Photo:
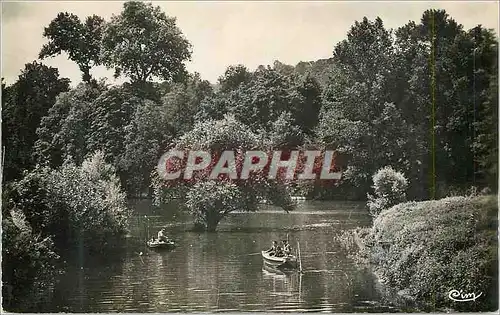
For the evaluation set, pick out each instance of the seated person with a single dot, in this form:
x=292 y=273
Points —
x=161 y=236
x=279 y=252
x=272 y=250
x=287 y=250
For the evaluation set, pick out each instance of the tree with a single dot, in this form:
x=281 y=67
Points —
x=307 y=113
x=355 y=103
x=28 y=262
x=283 y=68
x=24 y=104
x=143 y=42
x=485 y=102
x=109 y=114
x=79 y=205
x=81 y=41
x=284 y=134
x=444 y=112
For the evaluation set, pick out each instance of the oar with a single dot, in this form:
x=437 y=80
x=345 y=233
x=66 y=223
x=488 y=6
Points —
x=300 y=258
x=252 y=254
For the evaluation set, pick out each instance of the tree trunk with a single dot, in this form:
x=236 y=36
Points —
x=212 y=220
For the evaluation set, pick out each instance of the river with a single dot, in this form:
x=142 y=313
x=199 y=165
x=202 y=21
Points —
x=223 y=271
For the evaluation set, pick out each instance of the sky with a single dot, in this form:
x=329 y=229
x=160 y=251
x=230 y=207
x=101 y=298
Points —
x=226 y=33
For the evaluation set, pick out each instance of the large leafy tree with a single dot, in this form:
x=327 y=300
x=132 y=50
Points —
x=80 y=40
x=24 y=104
x=148 y=131
x=84 y=120
x=357 y=102
x=485 y=104
x=445 y=74
x=143 y=42
x=307 y=113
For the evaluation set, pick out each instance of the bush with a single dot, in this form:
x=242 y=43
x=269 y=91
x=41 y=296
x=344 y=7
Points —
x=28 y=261
x=73 y=203
x=92 y=199
x=49 y=211
x=390 y=189
x=429 y=248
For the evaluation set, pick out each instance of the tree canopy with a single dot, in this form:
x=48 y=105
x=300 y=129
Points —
x=142 y=42
x=80 y=40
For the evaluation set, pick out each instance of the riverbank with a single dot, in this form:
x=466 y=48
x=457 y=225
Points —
x=426 y=249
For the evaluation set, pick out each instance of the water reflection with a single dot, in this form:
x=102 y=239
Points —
x=224 y=270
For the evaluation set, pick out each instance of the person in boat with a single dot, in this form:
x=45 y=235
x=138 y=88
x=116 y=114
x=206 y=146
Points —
x=161 y=236
x=273 y=249
x=279 y=251
x=287 y=250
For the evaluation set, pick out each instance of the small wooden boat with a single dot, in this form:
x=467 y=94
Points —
x=285 y=262
x=155 y=244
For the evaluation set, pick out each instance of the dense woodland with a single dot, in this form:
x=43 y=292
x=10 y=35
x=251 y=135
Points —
x=422 y=98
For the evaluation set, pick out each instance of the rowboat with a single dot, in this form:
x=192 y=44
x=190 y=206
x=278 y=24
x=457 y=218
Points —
x=155 y=244
x=285 y=262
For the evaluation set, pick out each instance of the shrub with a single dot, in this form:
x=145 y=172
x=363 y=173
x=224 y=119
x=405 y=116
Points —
x=390 y=189
x=53 y=210
x=92 y=199
x=28 y=261
x=429 y=248
x=73 y=203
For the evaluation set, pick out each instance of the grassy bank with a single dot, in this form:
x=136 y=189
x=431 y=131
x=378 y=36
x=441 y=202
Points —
x=426 y=249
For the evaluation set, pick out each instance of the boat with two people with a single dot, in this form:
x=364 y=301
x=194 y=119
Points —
x=280 y=257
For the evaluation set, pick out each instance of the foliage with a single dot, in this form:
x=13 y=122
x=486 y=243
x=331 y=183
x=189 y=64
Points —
x=183 y=101
x=208 y=202
x=148 y=131
x=63 y=132
x=376 y=103
x=429 y=248
x=50 y=211
x=94 y=201
x=28 y=262
x=258 y=99
x=390 y=189
x=307 y=114
x=24 y=103
x=143 y=42
x=284 y=133
x=319 y=70
x=233 y=77
x=80 y=40
x=75 y=204
x=91 y=118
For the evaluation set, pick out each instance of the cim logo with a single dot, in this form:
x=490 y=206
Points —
x=459 y=296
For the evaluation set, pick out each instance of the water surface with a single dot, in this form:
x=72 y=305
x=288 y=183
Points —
x=223 y=271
